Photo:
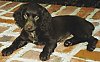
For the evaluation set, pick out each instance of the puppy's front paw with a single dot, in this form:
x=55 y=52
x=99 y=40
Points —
x=7 y=51
x=91 y=48
x=44 y=56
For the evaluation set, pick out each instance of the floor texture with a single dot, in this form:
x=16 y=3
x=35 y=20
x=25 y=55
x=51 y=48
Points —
x=30 y=53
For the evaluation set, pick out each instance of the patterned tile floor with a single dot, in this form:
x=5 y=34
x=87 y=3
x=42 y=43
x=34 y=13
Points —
x=29 y=53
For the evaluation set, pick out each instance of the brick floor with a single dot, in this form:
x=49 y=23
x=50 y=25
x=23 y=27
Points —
x=30 y=53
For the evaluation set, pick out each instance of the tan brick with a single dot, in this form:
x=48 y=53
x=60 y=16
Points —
x=31 y=55
x=17 y=30
x=63 y=49
x=97 y=15
x=7 y=21
x=77 y=60
x=68 y=10
x=84 y=12
x=98 y=44
x=95 y=23
x=7 y=38
x=35 y=55
x=39 y=46
x=97 y=33
x=88 y=55
x=3 y=58
x=2 y=29
x=9 y=6
x=54 y=8
x=8 y=15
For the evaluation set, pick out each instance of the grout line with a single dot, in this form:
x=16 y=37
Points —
x=98 y=37
x=4 y=17
x=73 y=52
x=5 y=10
x=48 y=6
x=84 y=59
x=6 y=44
x=9 y=31
x=97 y=29
x=21 y=52
x=75 y=12
x=54 y=13
x=5 y=4
x=97 y=49
x=92 y=13
x=23 y=60
x=10 y=9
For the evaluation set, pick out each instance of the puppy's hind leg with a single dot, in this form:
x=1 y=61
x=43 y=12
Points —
x=72 y=41
x=91 y=43
x=18 y=43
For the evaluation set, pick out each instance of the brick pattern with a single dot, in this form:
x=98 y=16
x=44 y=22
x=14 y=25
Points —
x=30 y=53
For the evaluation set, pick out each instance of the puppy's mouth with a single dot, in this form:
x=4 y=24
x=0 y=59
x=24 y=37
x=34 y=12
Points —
x=30 y=30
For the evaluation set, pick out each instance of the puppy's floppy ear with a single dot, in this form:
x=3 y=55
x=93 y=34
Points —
x=18 y=15
x=19 y=10
x=46 y=19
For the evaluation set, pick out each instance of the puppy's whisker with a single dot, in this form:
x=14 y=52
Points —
x=36 y=18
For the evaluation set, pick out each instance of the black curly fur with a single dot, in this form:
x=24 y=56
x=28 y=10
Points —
x=47 y=30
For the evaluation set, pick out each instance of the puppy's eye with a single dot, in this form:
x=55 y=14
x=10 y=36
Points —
x=25 y=16
x=36 y=18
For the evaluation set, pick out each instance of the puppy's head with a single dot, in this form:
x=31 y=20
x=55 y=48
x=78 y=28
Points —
x=26 y=17
x=31 y=15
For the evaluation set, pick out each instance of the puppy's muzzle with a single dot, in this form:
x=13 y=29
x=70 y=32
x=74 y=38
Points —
x=29 y=26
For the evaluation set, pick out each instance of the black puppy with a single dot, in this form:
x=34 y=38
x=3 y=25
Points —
x=38 y=25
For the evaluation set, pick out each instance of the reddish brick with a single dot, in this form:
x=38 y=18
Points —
x=84 y=12
x=2 y=29
x=67 y=10
x=97 y=15
x=7 y=21
x=2 y=2
x=88 y=55
x=7 y=38
x=54 y=8
x=8 y=15
x=9 y=6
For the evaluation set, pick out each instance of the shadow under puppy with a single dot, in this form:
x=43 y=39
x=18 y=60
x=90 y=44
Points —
x=38 y=25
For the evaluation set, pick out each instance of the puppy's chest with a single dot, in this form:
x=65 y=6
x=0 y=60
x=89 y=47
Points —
x=32 y=37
